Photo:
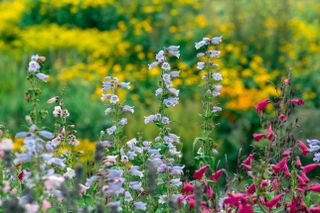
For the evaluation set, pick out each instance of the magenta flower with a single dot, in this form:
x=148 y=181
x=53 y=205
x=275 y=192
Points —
x=276 y=168
x=258 y=137
x=304 y=148
x=282 y=117
x=297 y=102
x=274 y=201
x=262 y=105
x=234 y=199
x=198 y=174
x=314 y=188
x=248 y=160
x=310 y=167
x=216 y=176
x=245 y=208
x=271 y=135
x=251 y=189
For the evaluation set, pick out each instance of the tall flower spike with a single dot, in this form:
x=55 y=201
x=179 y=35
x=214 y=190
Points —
x=167 y=158
x=111 y=176
x=212 y=89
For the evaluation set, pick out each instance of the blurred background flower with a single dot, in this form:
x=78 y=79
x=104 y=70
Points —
x=84 y=40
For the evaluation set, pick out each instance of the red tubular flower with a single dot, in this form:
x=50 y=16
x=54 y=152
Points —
x=216 y=176
x=205 y=210
x=310 y=167
x=264 y=184
x=251 y=189
x=20 y=176
x=247 y=167
x=209 y=192
x=258 y=137
x=271 y=136
x=248 y=160
x=260 y=106
x=298 y=162
x=286 y=170
x=233 y=199
x=198 y=174
x=245 y=208
x=297 y=102
x=314 y=209
x=314 y=188
x=282 y=117
x=191 y=202
x=274 y=201
x=297 y=205
x=275 y=184
x=187 y=188
x=302 y=182
x=303 y=148
x=276 y=168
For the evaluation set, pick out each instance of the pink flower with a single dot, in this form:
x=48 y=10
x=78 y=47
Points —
x=314 y=209
x=251 y=189
x=198 y=174
x=247 y=167
x=233 y=199
x=282 y=117
x=298 y=162
x=20 y=176
x=245 y=208
x=297 y=102
x=286 y=170
x=303 y=148
x=275 y=184
x=271 y=136
x=276 y=168
x=302 y=182
x=274 y=201
x=260 y=106
x=314 y=188
x=297 y=205
x=46 y=205
x=287 y=81
x=258 y=137
x=187 y=188
x=310 y=167
x=216 y=176
x=249 y=159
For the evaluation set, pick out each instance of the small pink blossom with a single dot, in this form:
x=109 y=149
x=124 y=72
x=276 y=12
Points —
x=258 y=137
x=310 y=167
x=198 y=174
x=216 y=176
x=274 y=201
x=262 y=105
x=297 y=102
x=282 y=117
x=46 y=205
x=276 y=168
x=303 y=148
x=314 y=188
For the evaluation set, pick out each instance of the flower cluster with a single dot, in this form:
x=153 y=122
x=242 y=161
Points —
x=211 y=89
x=34 y=67
x=165 y=154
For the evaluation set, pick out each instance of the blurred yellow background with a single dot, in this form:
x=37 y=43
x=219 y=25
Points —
x=84 y=40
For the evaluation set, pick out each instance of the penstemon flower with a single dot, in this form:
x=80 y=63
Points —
x=211 y=89
x=45 y=174
x=166 y=158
